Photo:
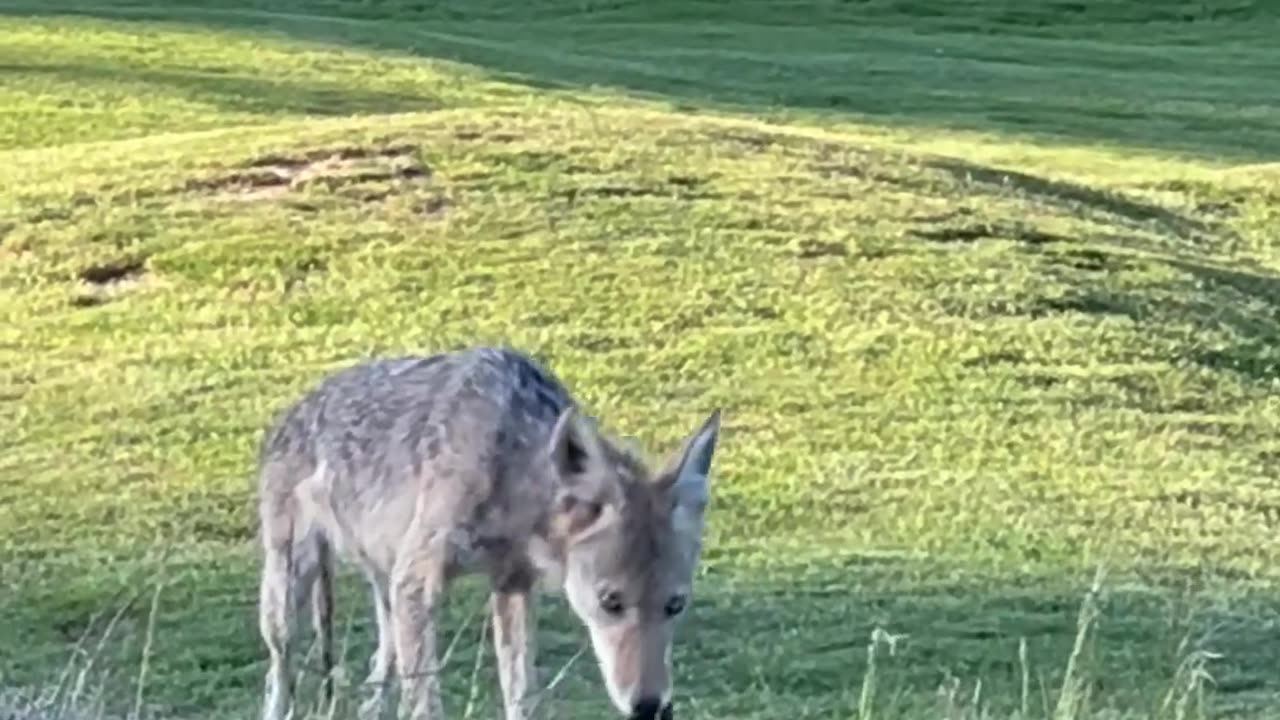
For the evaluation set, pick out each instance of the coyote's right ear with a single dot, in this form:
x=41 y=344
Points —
x=574 y=446
x=574 y=450
x=687 y=477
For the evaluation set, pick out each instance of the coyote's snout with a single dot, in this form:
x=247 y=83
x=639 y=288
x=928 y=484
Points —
x=423 y=469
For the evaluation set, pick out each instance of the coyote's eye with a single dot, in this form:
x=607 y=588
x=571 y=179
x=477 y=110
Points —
x=674 y=606
x=611 y=602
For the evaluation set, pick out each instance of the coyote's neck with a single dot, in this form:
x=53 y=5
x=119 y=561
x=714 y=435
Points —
x=548 y=558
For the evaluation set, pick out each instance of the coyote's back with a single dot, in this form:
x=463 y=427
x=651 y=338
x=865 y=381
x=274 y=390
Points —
x=448 y=428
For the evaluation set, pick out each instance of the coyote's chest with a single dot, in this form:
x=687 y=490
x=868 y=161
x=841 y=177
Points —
x=508 y=562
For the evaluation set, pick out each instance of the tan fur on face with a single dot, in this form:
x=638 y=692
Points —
x=641 y=654
x=644 y=554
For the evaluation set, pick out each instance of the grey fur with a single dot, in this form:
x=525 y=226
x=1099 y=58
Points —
x=420 y=469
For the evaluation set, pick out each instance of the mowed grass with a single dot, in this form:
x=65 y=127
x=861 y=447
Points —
x=989 y=297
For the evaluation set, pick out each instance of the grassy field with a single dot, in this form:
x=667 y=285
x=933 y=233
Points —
x=989 y=293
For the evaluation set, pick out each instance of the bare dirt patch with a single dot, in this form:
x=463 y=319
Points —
x=983 y=231
x=112 y=271
x=814 y=249
x=1098 y=304
x=435 y=206
x=1091 y=260
x=676 y=187
x=330 y=168
x=473 y=134
x=745 y=139
x=102 y=282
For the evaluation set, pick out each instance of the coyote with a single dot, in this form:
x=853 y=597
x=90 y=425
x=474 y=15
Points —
x=422 y=469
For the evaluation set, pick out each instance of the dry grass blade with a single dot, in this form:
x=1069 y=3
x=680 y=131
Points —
x=556 y=679
x=72 y=699
x=145 y=663
x=1024 y=707
x=1073 y=696
x=473 y=688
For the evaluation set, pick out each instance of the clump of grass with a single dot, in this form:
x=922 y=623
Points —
x=1186 y=697
x=1073 y=700
x=866 y=698
x=79 y=692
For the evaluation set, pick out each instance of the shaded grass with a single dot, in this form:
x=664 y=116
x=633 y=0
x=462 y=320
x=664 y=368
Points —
x=73 y=81
x=958 y=371
x=1197 y=78
x=1022 y=647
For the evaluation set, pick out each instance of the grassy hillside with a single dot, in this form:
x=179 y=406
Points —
x=990 y=296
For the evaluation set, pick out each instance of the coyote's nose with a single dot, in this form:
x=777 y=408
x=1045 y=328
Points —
x=651 y=709
x=646 y=709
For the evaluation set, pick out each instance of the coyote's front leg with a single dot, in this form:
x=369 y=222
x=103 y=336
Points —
x=417 y=587
x=382 y=662
x=514 y=626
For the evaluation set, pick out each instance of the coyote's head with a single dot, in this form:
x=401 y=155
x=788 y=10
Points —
x=630 y=539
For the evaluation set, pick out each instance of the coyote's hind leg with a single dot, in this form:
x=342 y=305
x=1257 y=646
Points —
x=291 y=565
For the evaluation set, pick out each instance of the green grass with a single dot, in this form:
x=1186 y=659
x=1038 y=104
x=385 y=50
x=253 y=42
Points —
x=990 y=296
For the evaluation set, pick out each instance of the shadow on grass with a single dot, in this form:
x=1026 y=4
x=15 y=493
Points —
x=234 y=92
x=926 y=67
x=1255 y=318
x=1077 y=197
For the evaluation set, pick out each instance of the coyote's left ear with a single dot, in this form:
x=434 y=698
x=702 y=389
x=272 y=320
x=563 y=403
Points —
x=689 y=474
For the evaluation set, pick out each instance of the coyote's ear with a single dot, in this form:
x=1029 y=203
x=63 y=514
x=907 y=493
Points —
x=574 y=446
x=578 y=517
x=688 y=476
x=574 y=449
